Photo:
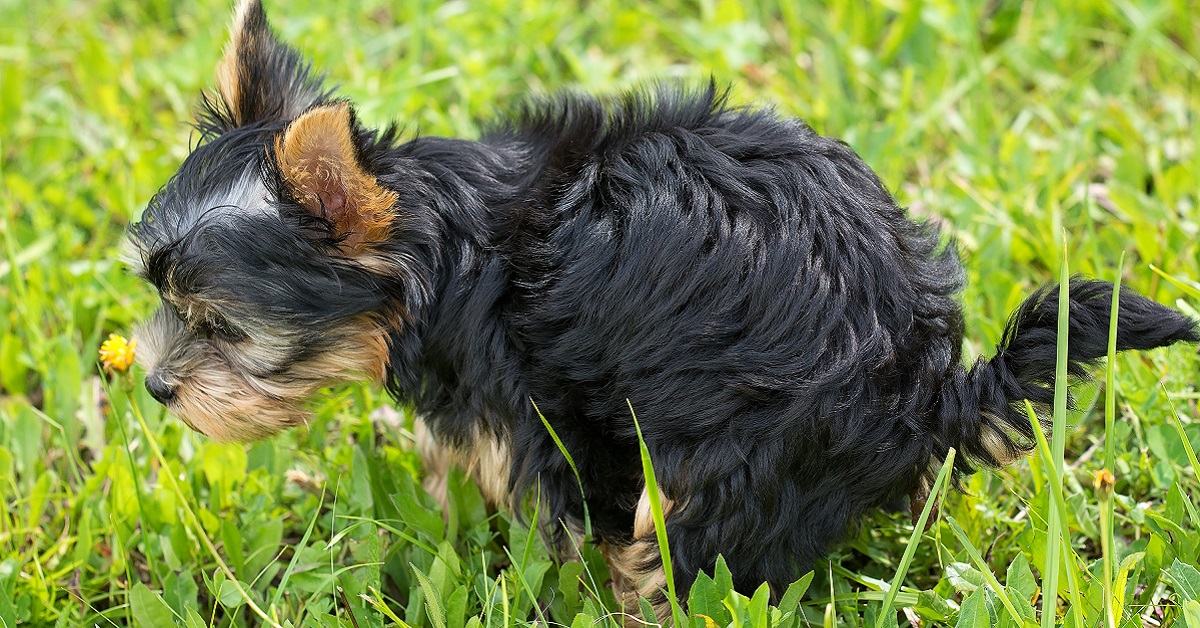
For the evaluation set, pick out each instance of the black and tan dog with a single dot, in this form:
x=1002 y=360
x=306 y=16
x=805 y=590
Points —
x=789 y=339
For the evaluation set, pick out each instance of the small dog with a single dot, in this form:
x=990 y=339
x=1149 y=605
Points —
x=789 y=339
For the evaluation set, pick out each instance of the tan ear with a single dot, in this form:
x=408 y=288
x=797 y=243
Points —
x=317 y=159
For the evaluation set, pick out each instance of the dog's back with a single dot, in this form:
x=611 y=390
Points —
x=750 y=288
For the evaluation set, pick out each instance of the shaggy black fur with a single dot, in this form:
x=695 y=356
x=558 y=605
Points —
x=789 y=338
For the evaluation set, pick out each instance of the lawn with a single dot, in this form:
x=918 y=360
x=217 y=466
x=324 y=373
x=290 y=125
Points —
x=1039 y=133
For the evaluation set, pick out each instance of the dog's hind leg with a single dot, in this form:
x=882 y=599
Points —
x=769 y=516
x=637 y=568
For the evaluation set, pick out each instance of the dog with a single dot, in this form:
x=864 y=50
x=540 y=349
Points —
x=789 y=338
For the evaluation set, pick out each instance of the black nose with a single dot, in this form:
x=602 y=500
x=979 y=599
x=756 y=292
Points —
x=159 y=389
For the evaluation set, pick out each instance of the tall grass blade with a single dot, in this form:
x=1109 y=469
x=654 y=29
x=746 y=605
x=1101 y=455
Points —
x=943 y=477
x=1110 y=369
x=1054 y=536
x=563 y=449
x=587 y=518
x=1110 y=449
x=1183 y=437
x=1058 y=517
x=660 y=526
x=1190 y=287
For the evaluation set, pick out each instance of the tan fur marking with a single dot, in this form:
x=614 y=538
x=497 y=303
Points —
x=226 y=404
x=488 y=464
x=486 y=460
x=437 y=460
x=228 y=84
x=995 y=443
x=631 y=579
x=360 y=355
x=643 y=518
x=225 y=408
x=636 y=568
x=316 y=154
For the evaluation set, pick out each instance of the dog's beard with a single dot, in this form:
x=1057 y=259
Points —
x=215 y=395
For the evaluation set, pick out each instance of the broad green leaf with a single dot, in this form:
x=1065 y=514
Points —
x=1191 y=613
x=149 y=609
x=456 y=608
x=583 y=620
x=974 y=612
x=722 y=577
x=229 y=596
x=1019 y=578
x=758 y=605
x=932 y=606
x=964 y=577
x=194 y=620
x=8 y=580
x=569 y=575
x=706 y=598
x=1186 y=579
x=790 y=602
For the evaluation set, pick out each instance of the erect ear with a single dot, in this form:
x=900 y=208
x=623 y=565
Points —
x=261 y=78
x=319 y=164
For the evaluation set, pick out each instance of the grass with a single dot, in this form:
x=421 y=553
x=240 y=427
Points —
x=1012 y=122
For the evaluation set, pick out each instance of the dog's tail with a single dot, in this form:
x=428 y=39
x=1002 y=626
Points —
x=982 y=411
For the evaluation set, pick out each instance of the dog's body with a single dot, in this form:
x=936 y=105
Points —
x=789 y=339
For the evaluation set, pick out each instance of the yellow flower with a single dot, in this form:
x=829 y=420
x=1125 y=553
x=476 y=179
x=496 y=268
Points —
x=116 y=353
x=1103 y=482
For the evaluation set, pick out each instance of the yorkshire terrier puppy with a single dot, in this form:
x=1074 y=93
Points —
x=789 y=339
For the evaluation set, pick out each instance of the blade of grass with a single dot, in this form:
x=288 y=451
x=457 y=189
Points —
x=1110 y=396
x=291 y=568
x=982 y=566
x=1183 y=438
x=1191 y=454
x=1110 y=448
x=570 y=461
x=830 y=617
x=934 y=493
x=137 y=488
x=197 y=527
x=520 y=567
x=1058 y=508
x=1189 y=287
x=1054 y=536
x=587 y=518
x=656 y=511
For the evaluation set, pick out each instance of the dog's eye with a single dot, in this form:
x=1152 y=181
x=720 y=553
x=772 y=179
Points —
x=217 y=326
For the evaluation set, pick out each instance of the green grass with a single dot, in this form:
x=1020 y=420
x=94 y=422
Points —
x=1013 y=122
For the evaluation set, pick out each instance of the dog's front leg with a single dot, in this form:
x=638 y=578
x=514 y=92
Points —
x=485 y=459
x=437 y=460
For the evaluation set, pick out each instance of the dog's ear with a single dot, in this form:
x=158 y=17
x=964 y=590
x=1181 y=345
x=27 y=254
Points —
x=318 y=161
x=261 y=78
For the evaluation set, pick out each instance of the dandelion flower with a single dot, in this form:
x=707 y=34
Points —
x=116 y=353
x=1104 y=481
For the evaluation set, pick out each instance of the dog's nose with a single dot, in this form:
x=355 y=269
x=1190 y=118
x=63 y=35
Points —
x=159 y=389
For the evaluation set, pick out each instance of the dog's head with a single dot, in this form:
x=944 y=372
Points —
x=273 y=249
